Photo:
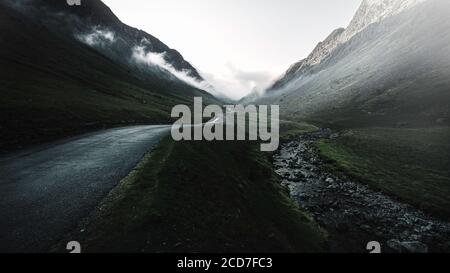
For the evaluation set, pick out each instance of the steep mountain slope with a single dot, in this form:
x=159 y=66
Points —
x=394 y=71
x=370 y=11
x=53 y=85
x=94 y=24
x=322 y=50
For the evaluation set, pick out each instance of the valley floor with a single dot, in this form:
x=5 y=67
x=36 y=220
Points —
x=410 y=164
x=200 y=197
x=355 y=214
x=229 y=197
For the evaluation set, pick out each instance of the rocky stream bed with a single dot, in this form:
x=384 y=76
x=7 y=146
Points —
x=352 y=213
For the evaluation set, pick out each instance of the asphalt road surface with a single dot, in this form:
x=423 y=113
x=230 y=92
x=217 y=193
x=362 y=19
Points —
x=46 y=191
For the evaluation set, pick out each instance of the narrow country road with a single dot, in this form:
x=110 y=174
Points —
x=46 y=191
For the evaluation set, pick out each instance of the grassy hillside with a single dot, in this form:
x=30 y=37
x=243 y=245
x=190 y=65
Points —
x=410 y=164
x=360 y=83
x=200 y=197
x=52 y=86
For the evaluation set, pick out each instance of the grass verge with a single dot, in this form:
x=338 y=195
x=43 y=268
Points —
x=201 y=197
x=291 y=129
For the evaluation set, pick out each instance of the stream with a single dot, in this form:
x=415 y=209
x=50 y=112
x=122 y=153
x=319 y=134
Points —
x=350 y=212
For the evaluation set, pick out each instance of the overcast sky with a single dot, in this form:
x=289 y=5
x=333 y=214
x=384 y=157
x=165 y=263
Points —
x=238 y=45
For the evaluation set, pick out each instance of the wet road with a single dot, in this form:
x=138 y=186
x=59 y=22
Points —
x=46 y=191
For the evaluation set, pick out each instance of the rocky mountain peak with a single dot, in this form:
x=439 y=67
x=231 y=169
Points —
x=372 y=11
x=369 y=12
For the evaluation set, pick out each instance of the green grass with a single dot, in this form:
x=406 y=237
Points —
x=290 y=129
x=201 y=197
x=410 y=164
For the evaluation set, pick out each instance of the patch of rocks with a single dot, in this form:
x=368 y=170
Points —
x=352 y=213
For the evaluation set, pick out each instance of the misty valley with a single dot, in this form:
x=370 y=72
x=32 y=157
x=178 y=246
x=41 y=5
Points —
x=272 y=138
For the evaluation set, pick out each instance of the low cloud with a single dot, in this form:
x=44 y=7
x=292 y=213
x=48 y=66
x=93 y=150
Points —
x=236 y=83
x=98 y=37
x=140 y=55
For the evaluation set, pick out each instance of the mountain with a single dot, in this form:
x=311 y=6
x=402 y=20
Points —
x=322 y=50
x=390 y=66
x=370 y=11
x=67 y=69
x=96 y=25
